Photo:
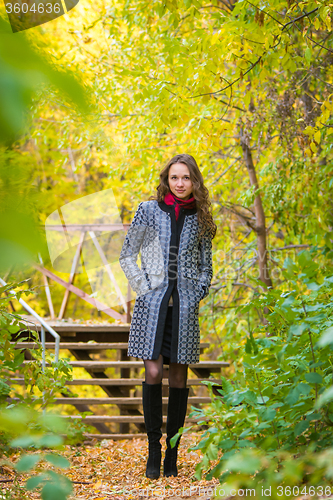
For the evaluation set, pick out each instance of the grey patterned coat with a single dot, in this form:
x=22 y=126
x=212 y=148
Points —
x=173 y=262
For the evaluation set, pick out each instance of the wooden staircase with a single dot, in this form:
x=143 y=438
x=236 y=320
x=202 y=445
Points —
x=84 y=342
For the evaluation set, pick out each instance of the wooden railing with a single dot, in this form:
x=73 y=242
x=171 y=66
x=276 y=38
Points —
x=91 y=230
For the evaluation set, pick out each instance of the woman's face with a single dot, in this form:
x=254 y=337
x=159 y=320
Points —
x=179 y=181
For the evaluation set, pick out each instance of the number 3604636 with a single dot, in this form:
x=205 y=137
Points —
x=39 y=8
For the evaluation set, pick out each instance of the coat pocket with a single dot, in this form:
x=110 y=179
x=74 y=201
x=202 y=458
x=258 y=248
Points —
x=192 y=276
x=155 y=279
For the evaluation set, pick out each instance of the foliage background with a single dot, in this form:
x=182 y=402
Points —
x=245 y=87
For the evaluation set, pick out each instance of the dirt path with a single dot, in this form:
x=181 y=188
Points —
x=116 y=470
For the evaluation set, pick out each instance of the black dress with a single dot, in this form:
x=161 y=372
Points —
x=167 y=337
x=166 y=340
x=167 y=333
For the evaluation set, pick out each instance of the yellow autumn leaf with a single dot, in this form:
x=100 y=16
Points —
x=313 y=147
x=215 y=37
x=317 y=136
x=308 y=130
x=98 y=485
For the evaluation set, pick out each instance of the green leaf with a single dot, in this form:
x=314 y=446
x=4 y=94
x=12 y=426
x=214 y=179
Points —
x=236 y=398
x=57 y=460
x=301 y=427
x=313 y=416
x=13 y=328
x=308 y=54
x=244 y=462
x=35 y=481
x=262 y=399
x=326 y=338
x=313 y=286
x=325 y=397
x=227 y=386
x=198 y=471
x=23 y=442
x=27 y=462
x=304 y=389
x=298 y=329
x=269 y=414
x=250 y=397
x=288 y=302
x=212 y=451
x=226 y=444
x=173 y=440
x=316 y=319
x=248 y=346
x=4 y=388
x=313 y=378
x=263 y=425
x=54 y=423
x=292 y=396
x=57 y=490
x=50 y=441
x=244 y=443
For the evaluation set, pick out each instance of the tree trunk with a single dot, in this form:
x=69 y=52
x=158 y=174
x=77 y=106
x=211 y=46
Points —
x=259 y=213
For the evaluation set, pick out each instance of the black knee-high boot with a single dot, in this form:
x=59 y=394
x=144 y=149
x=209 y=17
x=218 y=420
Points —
x=177 y=406
x=152 y=410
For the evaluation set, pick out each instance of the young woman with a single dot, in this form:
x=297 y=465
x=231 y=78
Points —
x=174 y=231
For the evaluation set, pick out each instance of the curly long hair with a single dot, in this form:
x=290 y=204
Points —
x=199 y=191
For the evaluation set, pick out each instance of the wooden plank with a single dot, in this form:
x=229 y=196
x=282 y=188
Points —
x=125 y=401
x=72 y=275
x=111 y=391
x=115 y=401
x=108 y=269
x=129 y=293
x=80 y=293
x=130 y=419
x=80 y=345
x=137 y=364
x=74 y=345
x=125 y=373
x=204 y=345
x=87 y=227
x=61 y=327
x=47 y=291
x=115 y=437
x=134 y=381
x=119 y=381
x=100 y=365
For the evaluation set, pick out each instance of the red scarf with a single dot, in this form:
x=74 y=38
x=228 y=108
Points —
x=171 y=199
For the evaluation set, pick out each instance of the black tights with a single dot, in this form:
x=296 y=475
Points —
x=154 y=372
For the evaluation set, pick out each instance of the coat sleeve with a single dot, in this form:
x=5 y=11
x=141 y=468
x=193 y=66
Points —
x=205 y=263
x=130 y=250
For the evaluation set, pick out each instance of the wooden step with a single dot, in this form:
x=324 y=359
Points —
x=131 y=419
x=73 y=345
x=98 y=346
x=63 y=327
x=115 y=401
x=119 y=381
x=115 y=437
x=100 y=365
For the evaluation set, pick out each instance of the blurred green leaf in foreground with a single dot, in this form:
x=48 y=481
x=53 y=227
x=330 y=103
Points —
x=26 y=71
